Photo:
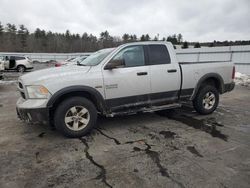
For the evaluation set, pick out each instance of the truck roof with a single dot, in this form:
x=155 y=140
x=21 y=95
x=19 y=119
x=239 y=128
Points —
x=146 y=43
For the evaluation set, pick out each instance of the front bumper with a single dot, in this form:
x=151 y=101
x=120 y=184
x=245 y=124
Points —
x=229 y=87
x=39 y=115
x=33 y=110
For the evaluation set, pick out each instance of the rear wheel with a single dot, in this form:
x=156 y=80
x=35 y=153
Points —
x=20 y=68
x=75 y=117
x=207 y=100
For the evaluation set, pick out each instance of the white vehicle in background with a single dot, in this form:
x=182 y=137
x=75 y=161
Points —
x=71 y=61
x=18 y=63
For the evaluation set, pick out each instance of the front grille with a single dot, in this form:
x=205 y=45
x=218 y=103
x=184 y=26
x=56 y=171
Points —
x=20 y=85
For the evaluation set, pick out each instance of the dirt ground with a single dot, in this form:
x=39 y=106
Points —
x=182 y=149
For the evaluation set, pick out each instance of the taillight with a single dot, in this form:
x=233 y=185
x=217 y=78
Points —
x=233 y=73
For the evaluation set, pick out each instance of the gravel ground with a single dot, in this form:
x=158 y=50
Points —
x=182 y=149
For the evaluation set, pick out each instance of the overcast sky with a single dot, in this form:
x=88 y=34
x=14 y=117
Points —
x=197 y=20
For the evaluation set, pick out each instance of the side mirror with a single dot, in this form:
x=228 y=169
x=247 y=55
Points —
x=115 y=64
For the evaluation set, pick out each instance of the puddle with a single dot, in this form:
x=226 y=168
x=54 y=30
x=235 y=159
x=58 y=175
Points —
x=168 y=134
x=194 y=151
x=208 y=125
x=1 y=105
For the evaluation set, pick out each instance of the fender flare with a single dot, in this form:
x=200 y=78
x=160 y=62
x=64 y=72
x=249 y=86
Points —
x=215 y=76
x=78 y=88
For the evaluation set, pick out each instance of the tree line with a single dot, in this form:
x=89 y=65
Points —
x=19 y=39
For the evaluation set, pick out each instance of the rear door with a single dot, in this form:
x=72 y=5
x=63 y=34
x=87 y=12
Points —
x=128 y=86
x=165 y=75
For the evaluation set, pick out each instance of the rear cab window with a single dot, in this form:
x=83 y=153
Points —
x=158 y=54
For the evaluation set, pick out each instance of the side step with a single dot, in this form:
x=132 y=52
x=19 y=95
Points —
x=151 y=109
x=164 y=107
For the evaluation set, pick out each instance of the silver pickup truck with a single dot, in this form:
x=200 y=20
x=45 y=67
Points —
x=134 y=77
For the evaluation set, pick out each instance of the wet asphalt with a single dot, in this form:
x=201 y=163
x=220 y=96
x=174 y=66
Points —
x=178 y=149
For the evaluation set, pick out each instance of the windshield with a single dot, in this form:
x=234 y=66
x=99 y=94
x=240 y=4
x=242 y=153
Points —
x=96 y=57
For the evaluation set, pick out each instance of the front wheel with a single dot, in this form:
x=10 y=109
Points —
x=207 y=100
x=75 y=117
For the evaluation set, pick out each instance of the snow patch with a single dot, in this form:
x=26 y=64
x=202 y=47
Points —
x=242 y=79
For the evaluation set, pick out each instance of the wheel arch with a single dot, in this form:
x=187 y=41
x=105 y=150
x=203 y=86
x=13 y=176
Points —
x=83 y=91
x=212 y=79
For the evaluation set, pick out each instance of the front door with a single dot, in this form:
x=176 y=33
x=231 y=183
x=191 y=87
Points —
x=128 y=86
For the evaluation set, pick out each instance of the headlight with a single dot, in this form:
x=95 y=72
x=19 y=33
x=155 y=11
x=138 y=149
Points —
x=39 y=92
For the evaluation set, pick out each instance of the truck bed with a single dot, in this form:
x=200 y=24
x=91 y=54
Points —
x=192 y=72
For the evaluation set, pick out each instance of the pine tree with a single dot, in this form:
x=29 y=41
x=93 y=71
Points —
x=197 y=45
x=185 y=45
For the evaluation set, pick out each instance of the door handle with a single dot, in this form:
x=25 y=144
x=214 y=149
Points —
x=172 y=70
x=141 y=73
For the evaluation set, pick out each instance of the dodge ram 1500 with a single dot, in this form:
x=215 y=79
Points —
x=134 y=77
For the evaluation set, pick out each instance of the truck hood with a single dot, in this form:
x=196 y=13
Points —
x=40 y=76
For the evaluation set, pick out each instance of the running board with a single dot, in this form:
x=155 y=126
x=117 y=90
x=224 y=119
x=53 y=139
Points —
x=163 y=107
x=150 y=109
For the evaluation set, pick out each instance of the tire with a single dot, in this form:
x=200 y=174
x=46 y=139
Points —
x=206 y=100
x=75 y=117
x=20 y=68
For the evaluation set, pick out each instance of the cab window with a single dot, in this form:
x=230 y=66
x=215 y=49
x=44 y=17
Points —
x=158 y=54
x=132 y=56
